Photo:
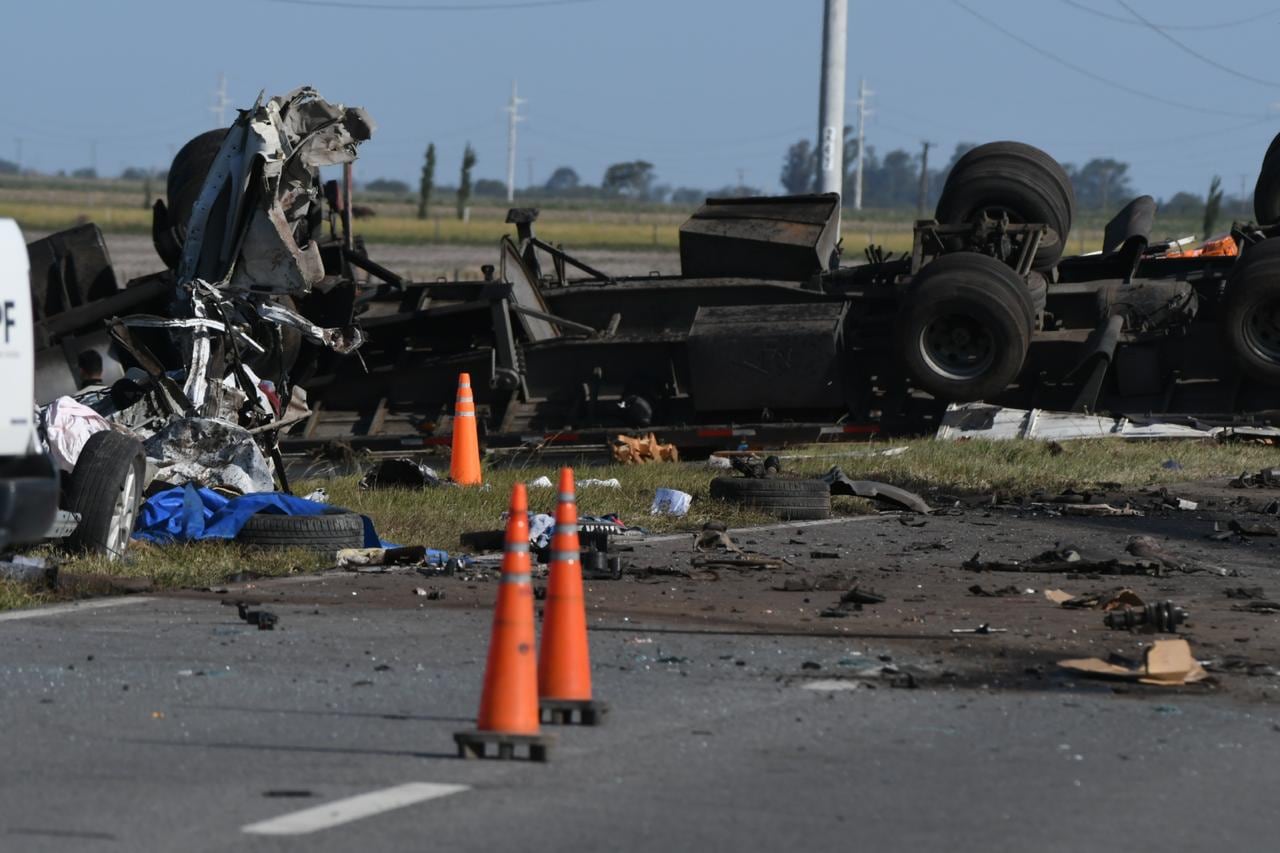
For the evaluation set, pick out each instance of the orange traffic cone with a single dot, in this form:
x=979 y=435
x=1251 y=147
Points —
x=564 y=661
x=464 y=463
x=509 y=704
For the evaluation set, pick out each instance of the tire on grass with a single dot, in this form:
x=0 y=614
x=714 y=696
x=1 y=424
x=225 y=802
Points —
x=1251 y=313
x=1015 y=179
x=965 y=327
x=322 y=533
x=790 y=500
x=106 y=490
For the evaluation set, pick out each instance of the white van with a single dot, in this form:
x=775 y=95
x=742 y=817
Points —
x=95 y=506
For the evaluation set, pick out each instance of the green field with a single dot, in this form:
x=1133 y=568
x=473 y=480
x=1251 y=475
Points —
x=117 y=207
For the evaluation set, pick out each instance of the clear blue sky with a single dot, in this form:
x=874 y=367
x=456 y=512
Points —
x=701 y=88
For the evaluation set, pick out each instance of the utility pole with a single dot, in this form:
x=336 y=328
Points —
x=220 y=102
x=863 y=112
x=831 y=98
x=923 y=198
x=513 y=117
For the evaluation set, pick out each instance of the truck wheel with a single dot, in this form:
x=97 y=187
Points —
x=106 y=490
x=964 y=328
x=325 y=533
x=1266 y=192
x=790 y=500
x=187 y=173
x=1016 y=179
x=1251 y=314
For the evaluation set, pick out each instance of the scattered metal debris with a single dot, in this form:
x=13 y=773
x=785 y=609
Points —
x=882 y=492
x=1161 y=616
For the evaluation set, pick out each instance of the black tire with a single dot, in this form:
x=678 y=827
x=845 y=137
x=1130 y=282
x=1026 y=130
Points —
x=964 y=327
x=1013 y=178
x=187 y=173
x=106 y=491
x=1251 y=314
x=1266 y=192
x=326 y=533
x=790 y=500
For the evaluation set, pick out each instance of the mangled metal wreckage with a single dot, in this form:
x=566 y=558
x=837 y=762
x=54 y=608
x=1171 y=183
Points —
x=197 y=359
x=763 y=337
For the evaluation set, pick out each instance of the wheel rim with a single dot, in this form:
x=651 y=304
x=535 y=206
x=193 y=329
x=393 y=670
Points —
x=1262 y=330
x=957 y=347
x=122 y=515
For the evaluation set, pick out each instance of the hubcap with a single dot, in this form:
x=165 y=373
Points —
x=1262 y=330
x=123 y=515
x=957 y=347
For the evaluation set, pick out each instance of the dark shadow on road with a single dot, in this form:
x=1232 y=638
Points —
x=275 y=747
x=373 y=715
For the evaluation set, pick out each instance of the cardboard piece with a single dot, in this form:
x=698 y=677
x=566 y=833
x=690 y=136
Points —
x=632 y=451
x=1168 y=663
x=1058 y=596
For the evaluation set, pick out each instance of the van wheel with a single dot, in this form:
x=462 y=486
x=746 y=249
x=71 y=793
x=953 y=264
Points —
x=106 y=491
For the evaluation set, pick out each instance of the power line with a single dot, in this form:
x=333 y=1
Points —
x=1158 y=30
x=433 y=7
x=1121 y=19
x=1115 y=84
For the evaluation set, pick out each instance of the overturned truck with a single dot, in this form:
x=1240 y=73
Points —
x=765 y=336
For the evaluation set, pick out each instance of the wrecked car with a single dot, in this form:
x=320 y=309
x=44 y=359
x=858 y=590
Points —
x=193 y=367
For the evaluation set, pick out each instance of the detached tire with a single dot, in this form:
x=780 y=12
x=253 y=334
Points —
x=790 y=500
x=1251 y=313
x=1016 y=179
x=964 y=327
x=329 y=532
x=187 y=172
x=106 y=491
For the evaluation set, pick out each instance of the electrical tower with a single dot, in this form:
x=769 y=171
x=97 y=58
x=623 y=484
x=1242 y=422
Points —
x=220 y=102
x=863 y=94
x=513 y=118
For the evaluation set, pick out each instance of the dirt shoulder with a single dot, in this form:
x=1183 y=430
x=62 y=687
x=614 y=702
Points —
x=918 y=565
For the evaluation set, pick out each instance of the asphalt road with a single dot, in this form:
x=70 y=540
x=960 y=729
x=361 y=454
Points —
x=167 y=724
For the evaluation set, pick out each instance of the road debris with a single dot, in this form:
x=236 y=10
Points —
x=402 y=473
x=634 y=451
x=984 y=628
x=840 y=484
x=1267 y=478
x=1161 y=616
x=1167 y=663
x=264 y=619
x=1106 y=601
x=670 y=502
x=1067 y=558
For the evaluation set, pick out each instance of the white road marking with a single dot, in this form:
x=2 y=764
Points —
x=73 y=607
x=360 y=806
x=831 y=684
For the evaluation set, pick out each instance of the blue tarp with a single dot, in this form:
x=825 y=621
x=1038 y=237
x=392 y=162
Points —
x=187 y=514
